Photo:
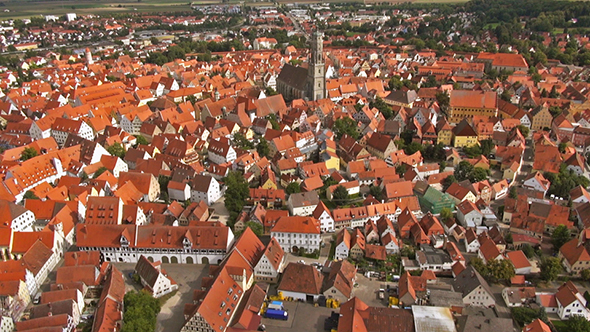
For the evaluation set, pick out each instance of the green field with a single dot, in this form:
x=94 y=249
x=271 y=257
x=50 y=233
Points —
x=27 y=9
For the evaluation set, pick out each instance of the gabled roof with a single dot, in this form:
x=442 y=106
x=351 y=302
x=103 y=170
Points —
x=301 y=278
x=468 y=280
x=297 y=224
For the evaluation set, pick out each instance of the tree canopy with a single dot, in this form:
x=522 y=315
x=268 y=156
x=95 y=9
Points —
x=293 y=188
x=340 y=194
x=560 y=236
x=550 y=268
x=345 y=126
x=262 y=148
x=117 y=150
x=141 y=311
x=28 y=153
x=236 y=193
x=385 y=109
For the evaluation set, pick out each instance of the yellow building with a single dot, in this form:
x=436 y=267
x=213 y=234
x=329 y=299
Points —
x=444 y=132
x=466 y=104
x=464 y=135
x=331 y=159
x=540 y=118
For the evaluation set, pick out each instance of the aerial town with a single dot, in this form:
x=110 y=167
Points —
x=268 y=166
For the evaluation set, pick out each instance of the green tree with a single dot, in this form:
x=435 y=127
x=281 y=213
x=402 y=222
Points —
x=99 y=171
x=525 y=315
x=512 y=192
x=30 y=195
x=560 y=236
x=395 y=83
x=413 y=147
x=505 y=95
x=236 y=193
x=578 y=324
x=376 y=192
x=500 y=269
x=345 y=126
x=242 y=142
x=486 y=145
x=444 y=100
x=141 y=311
x=117 y=150
x=553 y=93
x=272 y=118
x=523 y=130
x=446 y=214
x=478 y=174
x=473 y=151
x=463 y=170
x=528 y=250
x=400 y=169
x=257 y=228
x=555 y=110
x=385 y=109
x=263 y=148
x=448 y=181
x=550 y=268
x=585 y=274
x=293 y=188
x=340 y=194
x=479 y=266
x=140 y=140
x=28 y=153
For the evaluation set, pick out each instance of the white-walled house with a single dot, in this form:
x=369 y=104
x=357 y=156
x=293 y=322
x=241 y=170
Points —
x=271 y=263
x=570 y=302
x=16 y=216
x=303 y=204
x=474 y=289
x=205 y=188
x=221 y=152
x=537 y=182
x=179 y=191
x=471 y=241
x=154 y=278
x=63 y=127
x=469 y=215
x=40 y=260
x=294 y=233
x=342 y=244
x=322 y=213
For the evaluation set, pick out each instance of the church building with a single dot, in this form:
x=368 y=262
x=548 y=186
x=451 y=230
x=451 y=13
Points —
x=298 y=82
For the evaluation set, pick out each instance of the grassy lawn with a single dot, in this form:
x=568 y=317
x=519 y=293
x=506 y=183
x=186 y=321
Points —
x=329 y=204
x=560 y=326
x=332 y=250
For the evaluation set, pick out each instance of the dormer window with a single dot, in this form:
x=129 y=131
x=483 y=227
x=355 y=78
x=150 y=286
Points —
x=186 y=243
x=124 y=241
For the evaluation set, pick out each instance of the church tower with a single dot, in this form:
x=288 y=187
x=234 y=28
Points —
x=316 y=72
x=88 y=54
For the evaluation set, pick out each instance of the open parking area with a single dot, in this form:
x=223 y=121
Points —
x=188 y=277
x=302 y=317
x=368 y=290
